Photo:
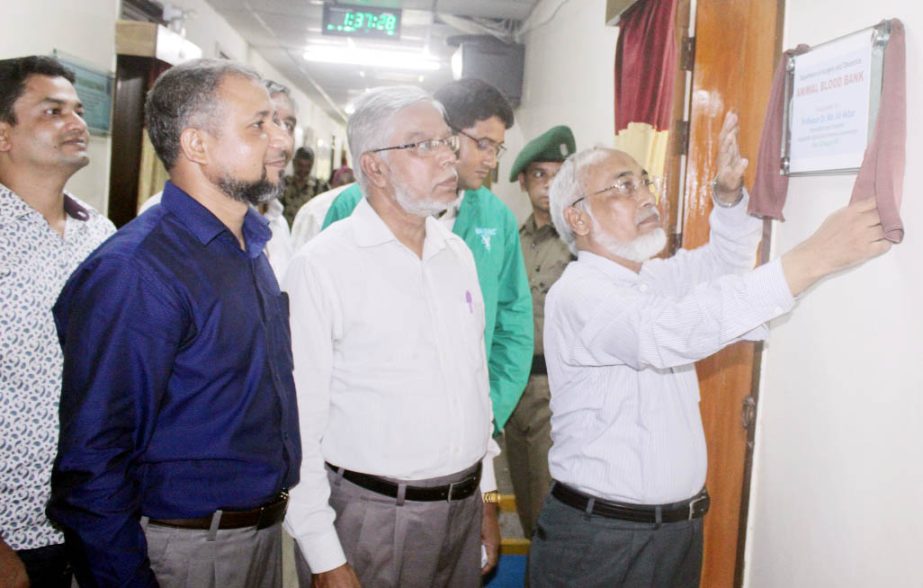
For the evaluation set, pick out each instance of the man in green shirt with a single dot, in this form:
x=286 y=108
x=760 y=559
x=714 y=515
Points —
x=528 y=432
x=480 y=114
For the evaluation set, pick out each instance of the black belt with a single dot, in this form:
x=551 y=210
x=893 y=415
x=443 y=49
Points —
x=454 y=491
x=538 y=366
x=694 y=508
x=260 y=517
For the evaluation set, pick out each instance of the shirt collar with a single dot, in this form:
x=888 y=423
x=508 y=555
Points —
x=12 y=206
x=74 y=209
x=371 y=231
x=274 y=209
x=206 y=227
x=545 y=231
x=614 y=270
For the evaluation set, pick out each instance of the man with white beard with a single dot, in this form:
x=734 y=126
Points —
x=391 y=370
x=622 y=333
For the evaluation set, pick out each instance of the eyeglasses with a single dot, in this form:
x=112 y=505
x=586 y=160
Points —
x=628 y=187
x=427 y=147
x=487 y=145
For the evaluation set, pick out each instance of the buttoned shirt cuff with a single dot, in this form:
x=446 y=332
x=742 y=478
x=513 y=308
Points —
x=488 y=476
x=322 y=551
x=735 y=220
x=776 y=297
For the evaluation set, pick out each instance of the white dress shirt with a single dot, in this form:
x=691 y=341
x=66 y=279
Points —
x=310 y=217
x=390 y=365
x=279 y=248
x=620 y=348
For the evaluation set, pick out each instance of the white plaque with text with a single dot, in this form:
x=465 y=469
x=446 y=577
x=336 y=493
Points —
x=834 y=91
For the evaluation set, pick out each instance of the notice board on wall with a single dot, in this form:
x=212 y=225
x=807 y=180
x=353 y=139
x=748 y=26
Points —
x=832 y=97
x=95 y=90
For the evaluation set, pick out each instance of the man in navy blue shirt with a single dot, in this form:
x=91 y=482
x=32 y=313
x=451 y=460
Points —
x=179 y=430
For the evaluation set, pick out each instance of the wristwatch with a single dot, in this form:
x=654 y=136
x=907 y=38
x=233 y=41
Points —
x=492 y=497
x=721 y=203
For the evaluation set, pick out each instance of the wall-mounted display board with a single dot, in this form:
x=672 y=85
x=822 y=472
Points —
x=94 y=87
x=832 y=94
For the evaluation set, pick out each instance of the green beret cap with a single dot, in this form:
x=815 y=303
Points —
x=555 y=144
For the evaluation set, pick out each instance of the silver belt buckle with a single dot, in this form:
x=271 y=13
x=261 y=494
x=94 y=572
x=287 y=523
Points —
x=692 y=504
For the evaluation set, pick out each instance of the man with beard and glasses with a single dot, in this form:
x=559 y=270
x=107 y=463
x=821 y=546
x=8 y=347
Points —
x=622 y=333
x=179 y=429
x=391 y=370
x=279 y=249
x=481 y=115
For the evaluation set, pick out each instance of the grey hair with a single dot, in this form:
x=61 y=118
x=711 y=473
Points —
x=276 y=88
x=568 y=186
x=371 y=124
x=186 y=96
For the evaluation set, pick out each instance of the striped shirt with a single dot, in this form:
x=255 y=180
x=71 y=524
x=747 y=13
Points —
x=621 y=347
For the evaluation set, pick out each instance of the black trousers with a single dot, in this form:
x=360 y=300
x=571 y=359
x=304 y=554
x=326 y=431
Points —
x=48 y=567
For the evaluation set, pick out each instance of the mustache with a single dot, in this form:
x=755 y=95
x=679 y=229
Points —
x=645 y=214
x=76 y=135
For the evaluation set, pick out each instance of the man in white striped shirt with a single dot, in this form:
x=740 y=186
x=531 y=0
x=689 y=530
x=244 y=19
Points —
x=622 y=333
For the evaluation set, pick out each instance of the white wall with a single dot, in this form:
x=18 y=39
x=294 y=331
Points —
x=207 y=29
x=82 y=30
x=85 y=31
x=839 y=466
x=568 y=81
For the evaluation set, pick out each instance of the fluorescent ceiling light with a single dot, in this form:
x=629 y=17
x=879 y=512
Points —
x=404 y=60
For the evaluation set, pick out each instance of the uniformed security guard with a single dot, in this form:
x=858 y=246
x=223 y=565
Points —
x=528 y=432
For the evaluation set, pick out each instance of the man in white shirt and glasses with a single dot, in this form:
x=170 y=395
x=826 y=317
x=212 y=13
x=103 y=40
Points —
x=622 y=333
x=390 y=368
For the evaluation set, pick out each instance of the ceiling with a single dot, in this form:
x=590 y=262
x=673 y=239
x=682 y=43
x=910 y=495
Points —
x=280 y=30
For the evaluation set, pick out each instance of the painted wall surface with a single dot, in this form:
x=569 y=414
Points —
x=839 y=454
x=207 y=29
x=83 y=31
x=570 y=56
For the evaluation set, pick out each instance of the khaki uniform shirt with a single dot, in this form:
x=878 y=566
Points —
x=294 y=196
x=546 y=256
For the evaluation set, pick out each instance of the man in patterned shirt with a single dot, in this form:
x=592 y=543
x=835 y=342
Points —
x=44 y=234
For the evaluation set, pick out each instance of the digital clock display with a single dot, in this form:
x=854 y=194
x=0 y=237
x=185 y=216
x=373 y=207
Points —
x=361 y=21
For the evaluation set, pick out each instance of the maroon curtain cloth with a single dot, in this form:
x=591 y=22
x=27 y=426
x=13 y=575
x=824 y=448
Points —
x=882 y=173
x=771 y=187
x=645 y=59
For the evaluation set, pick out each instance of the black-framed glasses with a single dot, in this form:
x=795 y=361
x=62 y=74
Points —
x=487 y=145
x=425 y=148
x=628 y=187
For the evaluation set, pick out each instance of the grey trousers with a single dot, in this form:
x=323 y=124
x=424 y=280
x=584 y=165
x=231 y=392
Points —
x=404 y=544
x=244 y=558
x=528 y=438
x=573 y=548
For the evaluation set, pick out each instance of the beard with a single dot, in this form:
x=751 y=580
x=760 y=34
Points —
x=422 y=207
x=253 y=192
x=637 y=250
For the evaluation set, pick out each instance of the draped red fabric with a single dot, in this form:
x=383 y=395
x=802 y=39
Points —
x=645 y=57
x=881 y=175
x=771 y=187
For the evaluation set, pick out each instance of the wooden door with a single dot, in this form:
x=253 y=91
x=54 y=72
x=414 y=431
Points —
x=737 y=45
